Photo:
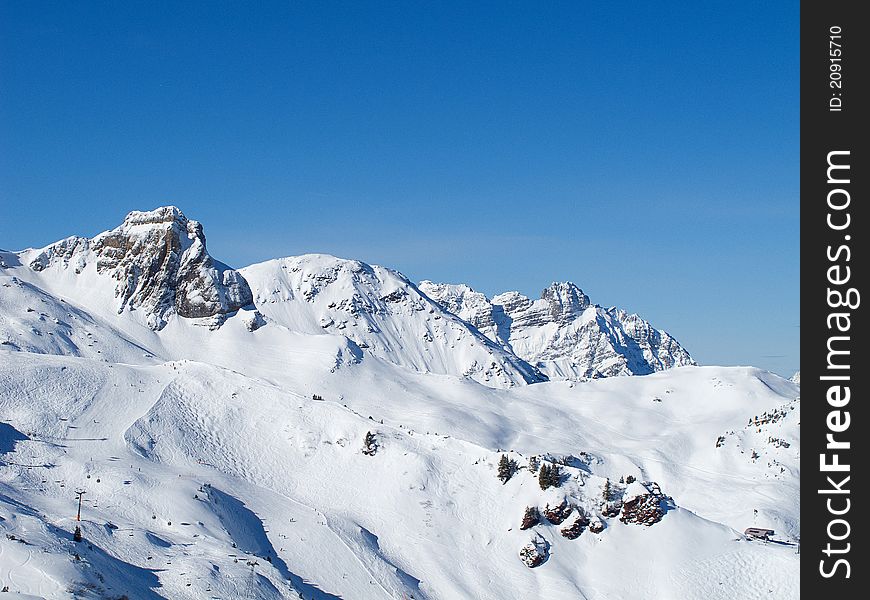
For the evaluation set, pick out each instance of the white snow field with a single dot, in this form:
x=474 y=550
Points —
x=215 y=420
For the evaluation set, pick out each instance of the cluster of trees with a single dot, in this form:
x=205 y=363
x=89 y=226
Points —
x=506 y=468
x=549 y=476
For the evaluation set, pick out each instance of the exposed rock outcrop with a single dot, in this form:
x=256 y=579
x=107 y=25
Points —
x=535 y=553
x=644 y=504
x=557 y=514
x=596 y=525
x=573 y=531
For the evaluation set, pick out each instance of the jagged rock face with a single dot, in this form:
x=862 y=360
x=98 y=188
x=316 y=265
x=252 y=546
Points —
x=462 y=301
x=565 y=300
x=563 y=333
x=71 y=250
x=161 y=265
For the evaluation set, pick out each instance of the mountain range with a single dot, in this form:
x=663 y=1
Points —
x=316 y=427
x=157 y=267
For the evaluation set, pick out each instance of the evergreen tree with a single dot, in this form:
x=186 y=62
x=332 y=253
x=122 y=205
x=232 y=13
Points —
x=606 y=492
x=534 y=463
x=531 y=517
x=544 y=476
x=555 y=476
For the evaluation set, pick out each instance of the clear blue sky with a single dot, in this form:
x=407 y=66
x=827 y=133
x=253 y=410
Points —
x=648 y=153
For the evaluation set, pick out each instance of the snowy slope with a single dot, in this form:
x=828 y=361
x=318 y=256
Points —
x=562 y=333
x=192 y=459
x=221 y=449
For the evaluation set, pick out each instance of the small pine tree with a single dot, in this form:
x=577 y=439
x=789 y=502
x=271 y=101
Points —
x=506 y=468
x=555 y=476
x=534 y=463
x=606 y=492
x=544 y=476
x=531 y=517
x=503 y=468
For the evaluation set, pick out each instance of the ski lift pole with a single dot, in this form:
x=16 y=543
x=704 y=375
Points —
x=79 y=513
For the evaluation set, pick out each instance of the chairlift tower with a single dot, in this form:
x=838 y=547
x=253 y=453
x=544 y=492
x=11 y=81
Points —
x=79 y=494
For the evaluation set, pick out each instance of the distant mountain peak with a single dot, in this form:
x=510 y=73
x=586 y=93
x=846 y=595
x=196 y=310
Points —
x=563 y=333
x=566 y=300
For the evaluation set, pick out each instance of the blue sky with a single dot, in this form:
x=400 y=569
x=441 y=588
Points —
x=646 y=151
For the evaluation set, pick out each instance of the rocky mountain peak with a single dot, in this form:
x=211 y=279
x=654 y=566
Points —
x=461 y=300
x=566 y=301
x=163 y=215
x=161 y=265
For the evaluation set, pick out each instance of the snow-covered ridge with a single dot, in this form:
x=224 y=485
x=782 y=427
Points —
x=383 y=313
x=563 y=333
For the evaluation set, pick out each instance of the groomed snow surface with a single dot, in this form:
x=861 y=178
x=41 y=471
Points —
x=225 y=459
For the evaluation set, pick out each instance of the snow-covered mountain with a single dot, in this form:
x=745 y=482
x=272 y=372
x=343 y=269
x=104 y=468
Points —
x=155 y=266
x=563 y=333
x=382 y=313
x=313 y=427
